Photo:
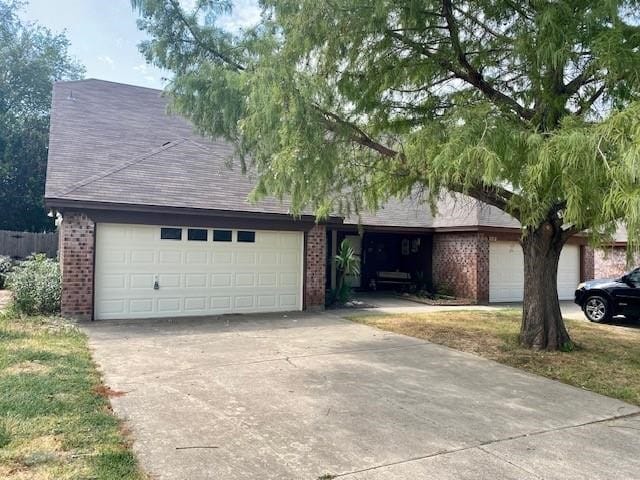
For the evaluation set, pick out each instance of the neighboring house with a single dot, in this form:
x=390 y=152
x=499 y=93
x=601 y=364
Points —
x=155 y=223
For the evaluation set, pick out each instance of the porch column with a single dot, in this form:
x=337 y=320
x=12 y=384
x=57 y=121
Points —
x=315 y=251
x=334 y=252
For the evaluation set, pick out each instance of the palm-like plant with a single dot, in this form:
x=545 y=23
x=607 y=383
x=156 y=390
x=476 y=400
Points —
x=347 y=263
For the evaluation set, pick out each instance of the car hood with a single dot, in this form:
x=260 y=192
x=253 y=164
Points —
x=604 y=283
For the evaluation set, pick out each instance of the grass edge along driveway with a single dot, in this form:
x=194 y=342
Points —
x=55 y=417
x=606 y=359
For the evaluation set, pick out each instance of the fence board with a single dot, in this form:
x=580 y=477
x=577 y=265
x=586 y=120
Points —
x=19 y=245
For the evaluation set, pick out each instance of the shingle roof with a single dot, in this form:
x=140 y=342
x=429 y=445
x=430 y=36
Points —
x=116 y=143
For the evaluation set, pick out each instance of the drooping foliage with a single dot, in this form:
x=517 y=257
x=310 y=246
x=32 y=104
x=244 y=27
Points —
x=526 y=106
x=530 y=107
x=31 y=59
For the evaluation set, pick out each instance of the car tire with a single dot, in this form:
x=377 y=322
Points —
x=597 y=309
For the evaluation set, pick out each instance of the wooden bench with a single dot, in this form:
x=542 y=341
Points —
x=392 y=278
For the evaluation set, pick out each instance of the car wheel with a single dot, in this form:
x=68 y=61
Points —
x=597 y=309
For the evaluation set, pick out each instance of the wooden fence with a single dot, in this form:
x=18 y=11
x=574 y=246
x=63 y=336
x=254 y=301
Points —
x=19 y=245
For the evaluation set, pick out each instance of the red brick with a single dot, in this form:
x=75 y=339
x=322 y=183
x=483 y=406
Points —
x=77 y=232
x=461 y=261
x=612 y=262
x=315 y=255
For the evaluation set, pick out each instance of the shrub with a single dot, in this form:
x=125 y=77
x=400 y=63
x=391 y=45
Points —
x=36 y=286
x=5 y=268
x=445 y=290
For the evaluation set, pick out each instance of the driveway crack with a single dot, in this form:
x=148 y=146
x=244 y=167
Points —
x=502 y=459
x=490 y=442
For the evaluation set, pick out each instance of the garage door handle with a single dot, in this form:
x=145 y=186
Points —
x=156 y=284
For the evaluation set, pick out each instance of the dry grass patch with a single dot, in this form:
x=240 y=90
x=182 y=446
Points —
x=55 y=419
x=606 y=359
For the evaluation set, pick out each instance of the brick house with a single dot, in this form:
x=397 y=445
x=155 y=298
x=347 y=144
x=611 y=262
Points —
x=154 y=222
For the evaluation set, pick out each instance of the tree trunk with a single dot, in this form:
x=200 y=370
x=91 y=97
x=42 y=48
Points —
x=542 y=324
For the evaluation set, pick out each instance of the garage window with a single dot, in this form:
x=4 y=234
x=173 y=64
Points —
x=171 y=233
x=197 y=234
x=246 y=236
x=222 y=235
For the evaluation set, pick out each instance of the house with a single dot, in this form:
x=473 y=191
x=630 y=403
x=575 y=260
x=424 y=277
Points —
x=154 y=222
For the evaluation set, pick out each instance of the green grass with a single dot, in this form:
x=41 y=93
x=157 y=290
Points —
x=54 y=421
x=606 y=359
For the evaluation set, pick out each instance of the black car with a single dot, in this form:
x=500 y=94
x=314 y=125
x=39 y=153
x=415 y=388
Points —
x=602 y=299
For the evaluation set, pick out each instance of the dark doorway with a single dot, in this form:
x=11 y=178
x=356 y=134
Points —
x=387 y=253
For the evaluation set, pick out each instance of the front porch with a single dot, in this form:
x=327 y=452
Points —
x=390 y=260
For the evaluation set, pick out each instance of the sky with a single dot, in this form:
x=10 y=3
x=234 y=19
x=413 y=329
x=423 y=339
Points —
x=104 y=35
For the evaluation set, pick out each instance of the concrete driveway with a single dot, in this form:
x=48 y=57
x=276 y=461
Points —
x=302 y=396
x=389 y=303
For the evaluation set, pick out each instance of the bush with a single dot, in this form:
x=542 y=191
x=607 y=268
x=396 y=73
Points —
x=5 y=268
x=36 y=286
x=445 y=290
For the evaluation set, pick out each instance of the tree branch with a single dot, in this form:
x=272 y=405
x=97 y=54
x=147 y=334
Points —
x=591 y=100
x=359 y=136
x=201 y=43
x=475 y=78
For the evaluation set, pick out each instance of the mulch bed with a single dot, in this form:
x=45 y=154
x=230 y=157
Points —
x=436 y=301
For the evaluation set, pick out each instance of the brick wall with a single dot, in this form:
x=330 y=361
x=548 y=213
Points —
x=315 y=258
x=461 y=261
x=587 y=271
x=77 y=233
x=612 y=262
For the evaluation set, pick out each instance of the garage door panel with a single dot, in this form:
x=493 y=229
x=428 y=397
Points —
x=506 y=272
x=112 y=307
x=142 y=256
x=169 y=280
x=194 y=277
x=221 y=303
x=287 y=300
x=170 y=257
x=195 y=304
x=196 y=258
x=288 y=258
x=245 y=258
x=141 y=306
x=222 y=258
x=169 y=305
x=245 y=280
x=268 y=280
x=267 y=300
x=288 y=280
x=268 y=258
x=195 y=280
x=221 y=280
x=244 y=301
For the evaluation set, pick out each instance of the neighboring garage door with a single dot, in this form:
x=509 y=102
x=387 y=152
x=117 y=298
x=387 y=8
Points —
x=147 y=271
x=506 y=272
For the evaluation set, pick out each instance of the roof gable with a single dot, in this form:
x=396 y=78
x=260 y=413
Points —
x=116 y=143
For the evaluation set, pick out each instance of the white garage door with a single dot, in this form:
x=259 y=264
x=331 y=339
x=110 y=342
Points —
x=506 y=272
x=147 y=271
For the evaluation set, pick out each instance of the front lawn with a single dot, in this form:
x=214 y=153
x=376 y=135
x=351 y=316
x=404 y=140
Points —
x=55 y=422
x=606 y=359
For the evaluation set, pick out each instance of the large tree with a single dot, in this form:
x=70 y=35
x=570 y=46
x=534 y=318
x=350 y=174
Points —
x=31 y=59
x=528 y=106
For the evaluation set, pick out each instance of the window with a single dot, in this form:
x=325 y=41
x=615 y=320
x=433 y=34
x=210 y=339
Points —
x=171 y=233
x=197 y=234
x=634 y=277
x=246 y=236
x=222 y=235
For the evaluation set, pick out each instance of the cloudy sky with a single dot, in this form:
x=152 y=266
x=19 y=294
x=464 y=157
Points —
x=104 y=35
